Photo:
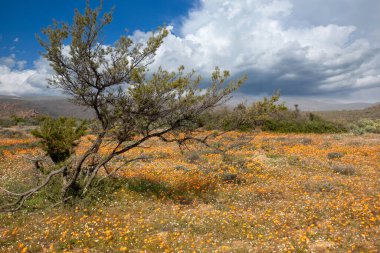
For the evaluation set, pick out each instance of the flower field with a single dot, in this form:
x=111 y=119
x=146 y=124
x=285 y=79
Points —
x=257 y=192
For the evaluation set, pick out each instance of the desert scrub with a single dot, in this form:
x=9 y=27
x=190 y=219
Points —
x=289 y=125
x=6 y=133
x=366 y=126
x=192 y=157
x=334 y=155
x=344 y=169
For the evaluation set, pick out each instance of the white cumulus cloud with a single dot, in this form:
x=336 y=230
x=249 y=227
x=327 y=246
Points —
x=303 y=48
x=15 y=80
x=255 y=37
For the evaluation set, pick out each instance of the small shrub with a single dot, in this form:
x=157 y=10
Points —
x=228 y=177
x=274 y=156
x=306 y=141
x=326 y=145
x=294 y=160
x=268 y=147
x=182 y=168
x=334 y=155
x=358 y=131
x=59 y=136
x=344 y=169
x=192 y=157
x=237 y=145
x=325 y=187
x=217 y=145
x=232 y=178
x=103 y=192
x=234 y=160
x=145 y=185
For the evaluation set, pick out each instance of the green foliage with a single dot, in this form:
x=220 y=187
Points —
x=47 y=197
x=6 y=122
x=14 y=121
x=238 y=119
x=366 y=126
x=291 y=124
x=59 y=136
x=269 y=115
x=268 y=108
x=244 y=117
x=144 y=185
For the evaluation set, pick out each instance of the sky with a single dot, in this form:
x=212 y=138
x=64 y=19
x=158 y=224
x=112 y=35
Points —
x=307 y=49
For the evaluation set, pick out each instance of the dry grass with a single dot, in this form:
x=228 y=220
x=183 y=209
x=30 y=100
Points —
x=288 y=199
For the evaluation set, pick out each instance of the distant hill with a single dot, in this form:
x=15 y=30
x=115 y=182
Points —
x=311 y=105
x=60 y=106
x=33 y=106
x=344 y=116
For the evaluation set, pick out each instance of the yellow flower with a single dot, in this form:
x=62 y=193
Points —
x=123 y=249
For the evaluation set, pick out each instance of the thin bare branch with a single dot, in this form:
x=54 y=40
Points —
x=26 y=195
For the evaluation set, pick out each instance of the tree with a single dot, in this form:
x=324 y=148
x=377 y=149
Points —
x=131 y=105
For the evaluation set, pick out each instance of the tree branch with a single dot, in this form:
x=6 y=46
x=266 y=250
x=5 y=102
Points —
x=25 y=195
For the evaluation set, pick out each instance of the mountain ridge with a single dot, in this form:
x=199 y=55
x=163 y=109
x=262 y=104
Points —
x=61 y=106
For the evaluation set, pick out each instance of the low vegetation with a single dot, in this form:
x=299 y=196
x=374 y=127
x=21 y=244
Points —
x=269 y=115
x=20 y=121
x=363 y=126
x=258 y=191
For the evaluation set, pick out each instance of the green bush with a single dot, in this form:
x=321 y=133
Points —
x=6 y=122
x=18 y=121
x=366 y=126
x=225 y=119
x=244 y=117
x=269 y=115
x=59 y=136
x=303 y=125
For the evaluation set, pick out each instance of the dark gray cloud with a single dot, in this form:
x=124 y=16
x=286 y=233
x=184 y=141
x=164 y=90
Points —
x=295 y=75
